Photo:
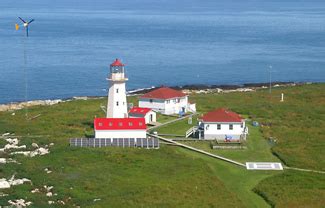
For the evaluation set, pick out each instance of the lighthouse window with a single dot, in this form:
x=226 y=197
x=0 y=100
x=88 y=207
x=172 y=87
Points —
x=100 y=124
x=110 y=124
x=140 y=124
x=117 y=103
x=120 y=124
x=130 y=124
x=116 y=90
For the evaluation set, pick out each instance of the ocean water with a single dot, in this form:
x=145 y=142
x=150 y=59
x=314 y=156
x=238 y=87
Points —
x=72 y=43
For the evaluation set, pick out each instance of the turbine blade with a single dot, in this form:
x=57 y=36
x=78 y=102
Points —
x=31 y=21
x=22 y=20
x=27 y=31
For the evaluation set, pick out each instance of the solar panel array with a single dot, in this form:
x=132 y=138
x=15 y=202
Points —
x=115 y=142
x=263 y=166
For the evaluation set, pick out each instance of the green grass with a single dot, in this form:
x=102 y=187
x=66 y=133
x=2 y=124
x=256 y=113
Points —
x=257 y=148
x=297 y=123
x=177 y=128
x=119 y=177
x=122 y=178
x=294 y=189
x=170 y=176
x=164 y=118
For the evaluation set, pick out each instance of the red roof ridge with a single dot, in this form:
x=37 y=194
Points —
x=139 y=110
x=117 y=62
x=164 y=93
x=222 y=115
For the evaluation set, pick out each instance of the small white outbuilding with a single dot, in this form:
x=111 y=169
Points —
x=147 y=113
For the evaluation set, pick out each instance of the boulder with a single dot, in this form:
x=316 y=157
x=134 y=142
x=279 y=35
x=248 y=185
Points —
x=4 y=184
x=34 y=145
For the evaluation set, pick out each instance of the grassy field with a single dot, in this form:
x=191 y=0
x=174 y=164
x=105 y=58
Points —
x=257 y=148
x=170 y=176
x=297 y=124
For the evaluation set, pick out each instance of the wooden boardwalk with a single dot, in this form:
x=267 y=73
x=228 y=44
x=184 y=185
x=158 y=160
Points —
x=198 y=150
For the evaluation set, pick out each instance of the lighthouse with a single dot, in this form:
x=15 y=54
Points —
x=117 y=105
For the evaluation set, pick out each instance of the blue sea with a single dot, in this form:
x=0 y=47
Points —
x=162 y=42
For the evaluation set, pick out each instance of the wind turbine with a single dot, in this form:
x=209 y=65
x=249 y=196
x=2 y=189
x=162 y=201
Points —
x=25 y=41
x=25 y=24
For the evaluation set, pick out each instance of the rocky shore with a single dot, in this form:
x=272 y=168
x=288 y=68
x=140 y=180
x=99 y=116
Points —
x=188 y=89
x=21 y=105
x=201 y=88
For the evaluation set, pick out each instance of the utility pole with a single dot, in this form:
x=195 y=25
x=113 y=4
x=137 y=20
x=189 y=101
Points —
x=270 y=87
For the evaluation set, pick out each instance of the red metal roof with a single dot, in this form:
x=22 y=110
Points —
x=117 y=62
x=222 y=115
x=138 y=110
x=163 y=93
x=119 y=123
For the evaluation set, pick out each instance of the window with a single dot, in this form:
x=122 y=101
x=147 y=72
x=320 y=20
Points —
x=130 y=124
x=241 y=125
x=231 y=127
x=110 y=124
x=178 y=100
x=207 y=127
x=120 y=124
x=100 y=124
x=168 y=101
x=116 y=90
x=117 y=103
x=140 y=123
x=218 y=126
x=175 y=100
x=150 y=100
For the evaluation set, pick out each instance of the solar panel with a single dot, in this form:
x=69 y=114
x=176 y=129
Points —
x=114 y=143
x=126 y=142
x=156 y=143
x=144 y=142
x=117 y=142
x=97 y=144
x=263 y=166
x=139 y=142
x=120 y=142
x=150 y=143
x=132 y=142
x=107 y=142
x=91 y=142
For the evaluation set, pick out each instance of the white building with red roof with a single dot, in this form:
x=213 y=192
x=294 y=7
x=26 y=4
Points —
x=223 y=124
x=120 y=128
x=166 y=101
x=147 y=113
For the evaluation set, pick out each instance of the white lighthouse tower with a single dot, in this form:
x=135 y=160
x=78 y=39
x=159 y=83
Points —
x=117 y=105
